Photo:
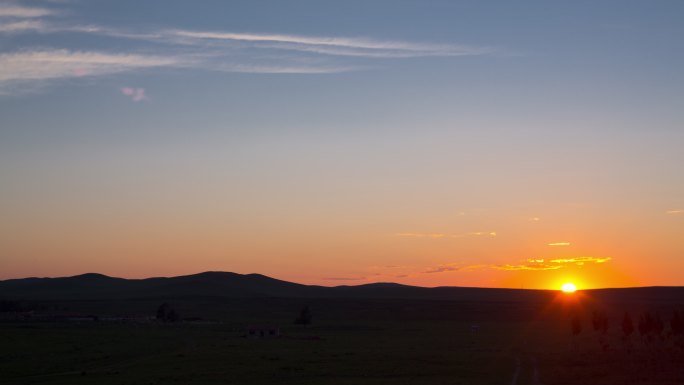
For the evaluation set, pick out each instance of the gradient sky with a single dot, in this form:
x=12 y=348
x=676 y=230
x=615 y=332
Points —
x=478 y=143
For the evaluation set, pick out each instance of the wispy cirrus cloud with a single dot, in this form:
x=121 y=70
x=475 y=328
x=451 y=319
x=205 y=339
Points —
x=336 y=46
x=532 y=264
x=344 y=278
x=675 y=212
x=22 y=26
x=442 y=269
x=279 y=68
x=46 y=65
x=220 y=40
x=581 y=260
x=529 y=266
x=443 y=235
x=559 y=244
x=41 y=26
x=19 y=11
x=221 y=51
x=420 y=235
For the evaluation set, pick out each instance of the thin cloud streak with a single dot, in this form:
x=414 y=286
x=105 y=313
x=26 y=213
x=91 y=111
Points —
x=420 y=235
x=43 y=65
x=280 y=69
x=674 y=212
x=200 y=50
x=7 y=10
x=333 y=46
x=559 y=244
x=39 y=66
x=337 y=46
x=42 y=27
x=533 y=264
x=344 y=278
x=442 y=235
x=581 y=260
x=536 y=267
x=23 y=26
x=442 y=269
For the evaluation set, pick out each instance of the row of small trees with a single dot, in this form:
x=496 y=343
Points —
x=165 y=313
x=649 y=325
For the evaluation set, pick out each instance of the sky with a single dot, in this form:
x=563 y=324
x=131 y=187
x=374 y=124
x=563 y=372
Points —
x=434 y=143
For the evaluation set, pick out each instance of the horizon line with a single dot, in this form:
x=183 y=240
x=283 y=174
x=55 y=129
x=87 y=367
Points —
x=330 y=286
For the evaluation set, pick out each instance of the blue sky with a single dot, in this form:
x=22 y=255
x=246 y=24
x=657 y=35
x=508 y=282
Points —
x=350 y=120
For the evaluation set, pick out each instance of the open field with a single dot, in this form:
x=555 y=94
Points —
x=350 y=341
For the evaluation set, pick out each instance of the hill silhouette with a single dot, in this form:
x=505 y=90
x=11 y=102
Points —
x=216 y=284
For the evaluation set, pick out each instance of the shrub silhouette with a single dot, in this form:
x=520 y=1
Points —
x=304 y=316
x=646 y=324
x=600 y=322
x=627 y=325
x=576 y=324
x=167 y=314
x=677 y=323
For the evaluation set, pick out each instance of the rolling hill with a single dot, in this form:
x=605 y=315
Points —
x=232 y=285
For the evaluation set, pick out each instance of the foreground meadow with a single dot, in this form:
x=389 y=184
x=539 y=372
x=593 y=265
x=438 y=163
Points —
x=348 y=342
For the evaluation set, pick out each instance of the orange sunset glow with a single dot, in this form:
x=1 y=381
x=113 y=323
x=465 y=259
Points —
x=465 y=155
x=147 y=238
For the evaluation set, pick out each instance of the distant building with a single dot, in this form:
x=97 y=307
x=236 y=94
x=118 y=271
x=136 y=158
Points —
x=263 y=331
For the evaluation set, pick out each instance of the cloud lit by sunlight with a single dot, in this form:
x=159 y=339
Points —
x=136 y=94
x=7 y=10
x=581 y=260
x=533 y=264
x=42 y=65
x=442 y=235
x=442 y=269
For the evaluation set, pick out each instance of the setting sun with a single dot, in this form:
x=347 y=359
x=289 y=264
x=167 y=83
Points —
x=569 y=288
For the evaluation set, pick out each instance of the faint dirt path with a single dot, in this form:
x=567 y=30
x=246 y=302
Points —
x=535 y=372
x=516 y=374
x=534 y=367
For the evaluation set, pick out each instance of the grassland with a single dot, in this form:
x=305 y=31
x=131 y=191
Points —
x=351 y=341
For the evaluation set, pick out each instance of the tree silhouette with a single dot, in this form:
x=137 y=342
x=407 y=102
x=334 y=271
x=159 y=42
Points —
x=576 y=324
x=172 y=316
x=167 y=314
x=646 y=325
x=658 y=325
x=627 y=325
x=599 y=321
x=304 y=316
x=576 y=328
x=677 y=323
x=627 y=331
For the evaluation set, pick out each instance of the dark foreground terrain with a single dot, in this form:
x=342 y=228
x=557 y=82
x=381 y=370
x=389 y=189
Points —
x=84 y=330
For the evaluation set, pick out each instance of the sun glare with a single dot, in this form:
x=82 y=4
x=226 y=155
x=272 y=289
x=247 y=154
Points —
x=569 y=288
